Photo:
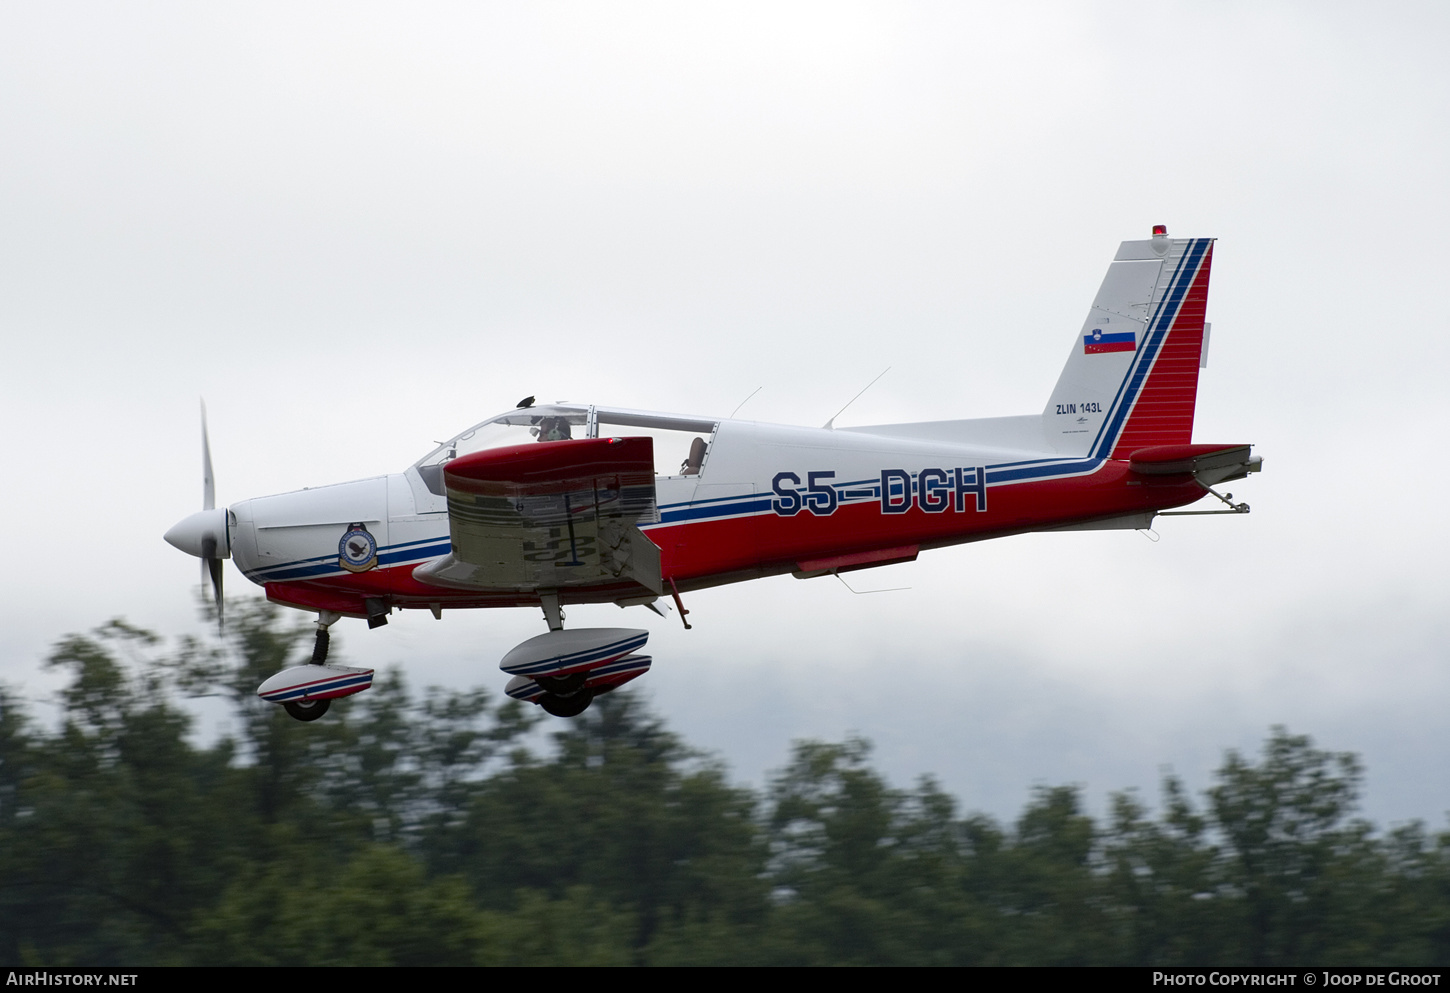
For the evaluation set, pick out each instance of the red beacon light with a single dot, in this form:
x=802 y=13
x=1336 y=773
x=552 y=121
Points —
x=1160 y=239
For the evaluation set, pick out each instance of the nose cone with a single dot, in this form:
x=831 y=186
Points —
x=203 y=534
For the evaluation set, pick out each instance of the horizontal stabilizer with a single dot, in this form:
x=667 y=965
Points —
x=1209 y=463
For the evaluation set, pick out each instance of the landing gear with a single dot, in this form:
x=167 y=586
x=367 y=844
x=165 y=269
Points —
x=308 y=710
x=319 y=647
x=565 y=696
x=563 y=685
x=307 y=691
x=563 y=671
x=566 y=706
x=311 y=710
x=325 y=620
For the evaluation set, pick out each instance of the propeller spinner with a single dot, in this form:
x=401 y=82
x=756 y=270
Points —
x=205 y=534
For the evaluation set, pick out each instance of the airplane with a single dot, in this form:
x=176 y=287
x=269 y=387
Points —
x=546 y=506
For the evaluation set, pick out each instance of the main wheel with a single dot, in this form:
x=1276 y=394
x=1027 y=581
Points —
x=567 y=706
x=306 y=710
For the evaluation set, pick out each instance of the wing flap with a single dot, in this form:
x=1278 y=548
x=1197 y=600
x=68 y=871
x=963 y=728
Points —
x=554 y=515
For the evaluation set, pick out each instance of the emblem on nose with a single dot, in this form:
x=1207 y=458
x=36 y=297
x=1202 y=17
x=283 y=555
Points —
x=357 y=551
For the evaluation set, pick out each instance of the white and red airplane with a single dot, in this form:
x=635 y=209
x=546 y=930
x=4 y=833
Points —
x=551 y=505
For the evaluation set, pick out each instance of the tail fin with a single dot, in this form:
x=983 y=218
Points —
x=1132 y=377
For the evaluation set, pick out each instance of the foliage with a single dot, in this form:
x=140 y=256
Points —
x=419 y=829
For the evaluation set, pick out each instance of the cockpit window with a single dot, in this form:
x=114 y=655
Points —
x=517 y=427
x=681 y=443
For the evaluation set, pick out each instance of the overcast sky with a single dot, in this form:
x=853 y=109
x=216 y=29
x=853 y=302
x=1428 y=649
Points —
x=357 y=228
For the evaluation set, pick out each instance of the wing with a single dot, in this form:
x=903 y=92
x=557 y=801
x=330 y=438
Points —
x=550 y=515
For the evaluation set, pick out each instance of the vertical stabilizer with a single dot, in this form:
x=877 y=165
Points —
x=1131 y=379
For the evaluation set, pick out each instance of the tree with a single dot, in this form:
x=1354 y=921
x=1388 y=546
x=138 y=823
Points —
x=623 y=811
x=864 y=873
x=1162 y=882
x=413 y=829
x=1285 y=842
x=118 y=828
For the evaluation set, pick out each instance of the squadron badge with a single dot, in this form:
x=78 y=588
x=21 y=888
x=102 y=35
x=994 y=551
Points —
x=358 y=549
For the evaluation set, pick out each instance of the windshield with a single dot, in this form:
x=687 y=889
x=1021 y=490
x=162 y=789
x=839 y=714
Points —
x=556 y=422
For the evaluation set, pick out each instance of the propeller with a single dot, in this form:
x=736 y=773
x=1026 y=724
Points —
x=211 y=562
x=208 y=481
x=205 y=534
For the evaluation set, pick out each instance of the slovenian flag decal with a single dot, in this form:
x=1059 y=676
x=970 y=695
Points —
x=1098 y=341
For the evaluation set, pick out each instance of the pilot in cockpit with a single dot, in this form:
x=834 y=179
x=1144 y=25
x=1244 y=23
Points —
x=553 y=429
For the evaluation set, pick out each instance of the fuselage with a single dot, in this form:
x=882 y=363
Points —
x=762 y=499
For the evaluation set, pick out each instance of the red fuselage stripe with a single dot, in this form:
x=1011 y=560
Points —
x=698 y=554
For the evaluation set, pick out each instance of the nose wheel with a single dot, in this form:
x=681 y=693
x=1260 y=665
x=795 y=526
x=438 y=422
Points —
x=311 y=710
x=306 y=691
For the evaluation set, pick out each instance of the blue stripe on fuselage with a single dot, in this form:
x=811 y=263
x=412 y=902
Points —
x=714 y=508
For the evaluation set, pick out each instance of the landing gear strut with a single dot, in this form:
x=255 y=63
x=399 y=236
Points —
x=325 y=620
x=319 y=647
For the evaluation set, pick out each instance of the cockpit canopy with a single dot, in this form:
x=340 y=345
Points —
x=681 y=443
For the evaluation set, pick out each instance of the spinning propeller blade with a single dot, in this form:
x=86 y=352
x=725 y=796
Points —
x=206 y=533
x=211 y=563
x=214 y=567
x=208 y=481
